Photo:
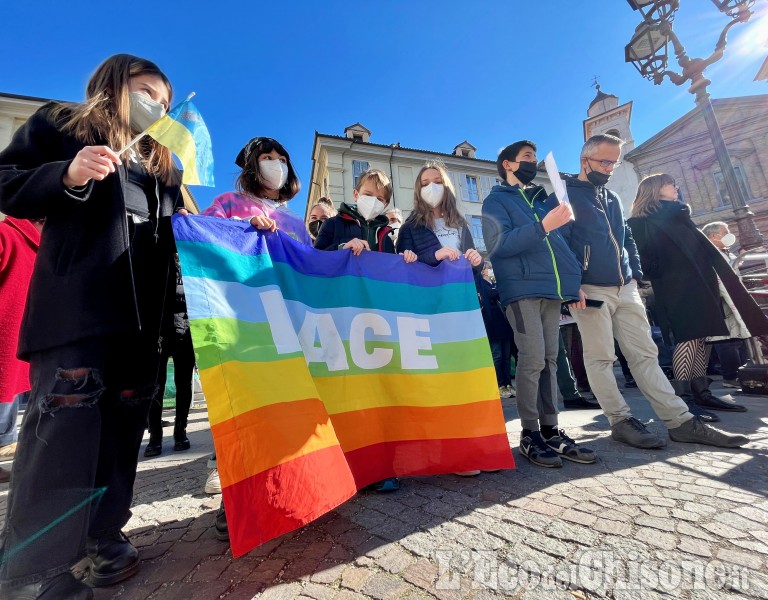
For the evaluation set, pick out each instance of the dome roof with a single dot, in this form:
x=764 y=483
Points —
x=601 y=96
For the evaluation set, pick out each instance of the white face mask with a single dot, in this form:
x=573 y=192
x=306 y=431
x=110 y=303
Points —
x=395 y=225
x=143 y=111
x=274 y=173
x=370 y=207
x=432 y=194
x=728 y=240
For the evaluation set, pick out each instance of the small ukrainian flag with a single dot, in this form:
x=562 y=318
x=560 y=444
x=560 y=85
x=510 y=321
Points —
x=183 y=132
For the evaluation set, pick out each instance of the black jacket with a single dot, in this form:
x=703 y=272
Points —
x=348 y=224
x=683 y=266
x=82 y=284
x=496 y=325
x=599 y=237
x=424 y=243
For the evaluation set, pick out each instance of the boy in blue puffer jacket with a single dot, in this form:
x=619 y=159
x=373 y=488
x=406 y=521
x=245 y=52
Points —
x=535 y=273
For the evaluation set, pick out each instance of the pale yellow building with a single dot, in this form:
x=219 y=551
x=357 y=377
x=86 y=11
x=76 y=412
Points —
x=14 y=111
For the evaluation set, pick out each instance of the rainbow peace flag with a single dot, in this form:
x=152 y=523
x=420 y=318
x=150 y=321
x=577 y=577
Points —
x=325 y=372
x=183 y=131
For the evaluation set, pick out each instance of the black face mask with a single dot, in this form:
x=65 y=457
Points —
x=597 y=178
x=314 y=228
x=525 y=172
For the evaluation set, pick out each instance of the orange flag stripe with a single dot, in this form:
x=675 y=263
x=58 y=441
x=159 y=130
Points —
x=263 y=438
x=276 y=437
x=360 y=428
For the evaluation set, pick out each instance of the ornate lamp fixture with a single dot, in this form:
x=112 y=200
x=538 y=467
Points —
x=656 y=10
x=648 y=52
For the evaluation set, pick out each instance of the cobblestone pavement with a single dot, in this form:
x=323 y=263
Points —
x=686 y=521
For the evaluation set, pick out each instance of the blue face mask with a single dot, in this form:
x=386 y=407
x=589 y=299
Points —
x=680 y=196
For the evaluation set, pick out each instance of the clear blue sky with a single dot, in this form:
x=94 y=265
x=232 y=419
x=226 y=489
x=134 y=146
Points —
x=425 y=74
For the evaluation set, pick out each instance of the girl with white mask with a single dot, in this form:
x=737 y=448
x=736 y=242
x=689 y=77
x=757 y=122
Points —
x=435 y=230
x=265 y=184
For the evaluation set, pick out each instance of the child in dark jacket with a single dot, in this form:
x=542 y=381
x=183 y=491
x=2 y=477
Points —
x=436 y=230
x=535 y=272
x=361 y=225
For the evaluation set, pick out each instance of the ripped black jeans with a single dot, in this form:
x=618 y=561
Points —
x=75 y=465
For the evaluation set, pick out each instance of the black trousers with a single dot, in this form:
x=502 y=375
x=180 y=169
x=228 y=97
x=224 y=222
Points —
x=178 y=347
x=75 y=464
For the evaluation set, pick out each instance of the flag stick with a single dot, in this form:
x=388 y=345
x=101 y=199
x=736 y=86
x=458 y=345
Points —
x=143 y=133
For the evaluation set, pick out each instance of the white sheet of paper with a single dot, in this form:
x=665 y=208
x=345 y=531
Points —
x=558 y=185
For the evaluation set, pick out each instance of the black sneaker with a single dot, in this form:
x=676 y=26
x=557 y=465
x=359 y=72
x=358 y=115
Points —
x=535 y=449
x=570 y=450
x=221 y=525
x=581 y=403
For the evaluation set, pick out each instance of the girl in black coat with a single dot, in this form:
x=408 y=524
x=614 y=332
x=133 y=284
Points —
x=697 y=294
x=435 y=230
x=91 y=329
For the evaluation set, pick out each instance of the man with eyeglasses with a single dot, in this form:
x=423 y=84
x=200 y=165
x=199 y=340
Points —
x=611 y=268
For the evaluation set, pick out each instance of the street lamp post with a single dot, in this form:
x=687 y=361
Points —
x=647 y=51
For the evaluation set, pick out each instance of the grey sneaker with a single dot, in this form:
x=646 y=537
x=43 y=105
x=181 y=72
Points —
x=633 y=432
x=570 y=450
x=695 y=431
x=535 y=449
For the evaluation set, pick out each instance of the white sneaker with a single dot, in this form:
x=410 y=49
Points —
x=503 y=391
x=512 y=391
x=213 y=483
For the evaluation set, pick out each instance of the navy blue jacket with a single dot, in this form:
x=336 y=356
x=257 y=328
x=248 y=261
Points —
x=423 y=241
x=527 y=262
x=599 y=236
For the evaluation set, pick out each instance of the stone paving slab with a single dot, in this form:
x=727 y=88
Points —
x=685 y=521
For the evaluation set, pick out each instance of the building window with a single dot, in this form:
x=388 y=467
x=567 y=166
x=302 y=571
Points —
x=476 y=227
x=469 y=190
x=465 y=152
x=722 y=192
x=358 y=167
x=358 y=137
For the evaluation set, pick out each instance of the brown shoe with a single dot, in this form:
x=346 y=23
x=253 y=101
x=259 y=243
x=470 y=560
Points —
x=5 y=475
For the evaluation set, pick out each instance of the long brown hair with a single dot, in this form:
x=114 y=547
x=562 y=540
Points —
x=648 y=191
x=104 y=117
x=422 y=212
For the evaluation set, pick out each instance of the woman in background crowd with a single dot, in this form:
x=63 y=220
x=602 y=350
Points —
x=698 y=296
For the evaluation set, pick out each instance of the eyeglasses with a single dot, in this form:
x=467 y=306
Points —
x=604 y=163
